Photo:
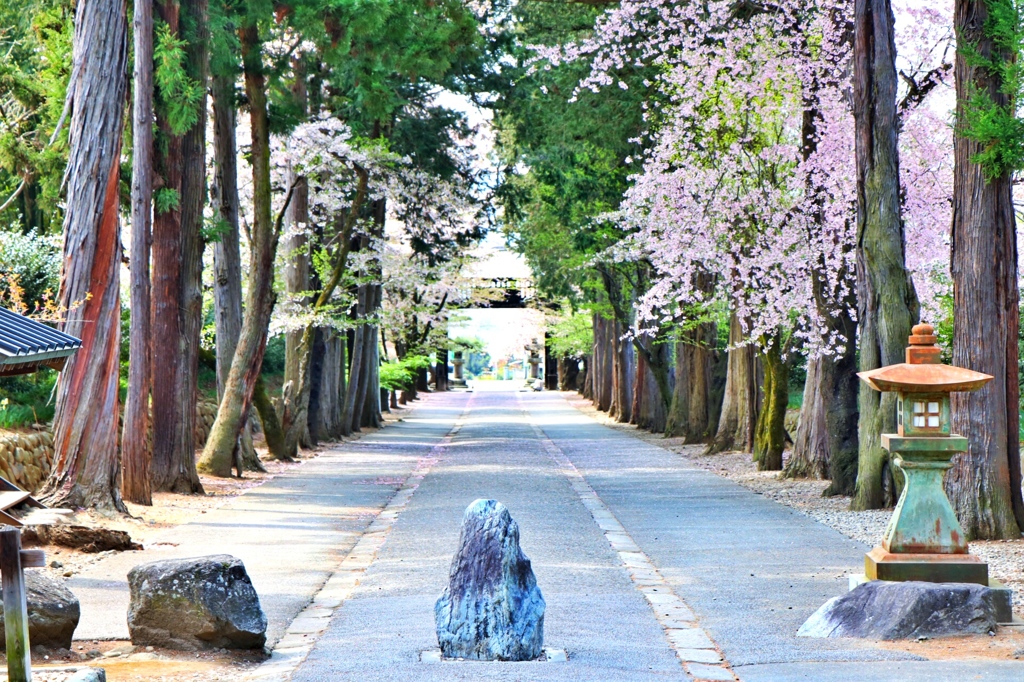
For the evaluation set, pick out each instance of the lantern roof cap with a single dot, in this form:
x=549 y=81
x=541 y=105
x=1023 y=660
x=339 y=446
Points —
x=923 y=373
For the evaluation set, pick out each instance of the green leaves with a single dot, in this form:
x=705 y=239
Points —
x=997 y=125
x=165 y=200
x=178 y=96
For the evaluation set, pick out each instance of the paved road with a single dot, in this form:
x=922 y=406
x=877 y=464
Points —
x=618 y=530
x=750 y=569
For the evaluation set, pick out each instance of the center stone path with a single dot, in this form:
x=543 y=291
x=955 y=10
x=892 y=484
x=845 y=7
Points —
x=751 y=569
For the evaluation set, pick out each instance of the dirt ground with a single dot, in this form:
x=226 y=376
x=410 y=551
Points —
x=126 y=663
x=121 y=661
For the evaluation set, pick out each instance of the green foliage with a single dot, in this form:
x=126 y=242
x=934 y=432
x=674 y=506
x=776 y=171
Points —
x=177 y=95
x=35 y=39
x=165 y=199
x=35 y=262
x=25 y=399
x=572 y=335
x=398 y=375
x=466 y=345
x=996 y=125
x=273 y=357
x=214 y=229
x=477 y=363
x=579 y=153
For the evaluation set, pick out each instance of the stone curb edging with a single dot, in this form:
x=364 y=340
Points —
x=305 y=630
x=699 y=655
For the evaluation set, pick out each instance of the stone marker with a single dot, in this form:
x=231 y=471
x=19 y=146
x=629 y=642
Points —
x=53 y=612
x=906 y=610
x=492 y=609
x=197 y=603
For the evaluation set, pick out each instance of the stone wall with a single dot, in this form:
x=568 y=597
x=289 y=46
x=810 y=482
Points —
x=26 y=458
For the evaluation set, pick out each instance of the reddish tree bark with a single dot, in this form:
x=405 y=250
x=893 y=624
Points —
x=135 y=450
x=86 y=468
x=984 y=484
x=177 y=269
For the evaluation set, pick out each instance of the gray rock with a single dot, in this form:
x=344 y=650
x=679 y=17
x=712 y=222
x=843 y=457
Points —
x=492 y=608
x=198 y=603
x=89 y=675
x=906 y=610
x=53 y=612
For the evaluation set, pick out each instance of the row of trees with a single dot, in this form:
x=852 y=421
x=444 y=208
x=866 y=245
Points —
x=307 y=135
x=785 y=181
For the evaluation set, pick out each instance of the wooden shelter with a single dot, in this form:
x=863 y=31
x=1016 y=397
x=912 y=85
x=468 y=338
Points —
x=27 y=345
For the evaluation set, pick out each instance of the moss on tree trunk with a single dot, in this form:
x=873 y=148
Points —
x=770 y=432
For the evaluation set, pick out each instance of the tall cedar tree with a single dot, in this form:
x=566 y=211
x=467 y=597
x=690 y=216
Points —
x=86 y=468
x=985 y=483
x=178 y=246
x=135 y=451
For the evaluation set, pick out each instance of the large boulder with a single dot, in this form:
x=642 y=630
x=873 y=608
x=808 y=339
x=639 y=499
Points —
x=906 y=610
x=492 y=608
x=197 y=603
x=53 y=612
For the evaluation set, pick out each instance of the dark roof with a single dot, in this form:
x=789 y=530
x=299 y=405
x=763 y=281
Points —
x=26 y=345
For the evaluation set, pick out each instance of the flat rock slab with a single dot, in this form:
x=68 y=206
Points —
x=191 y=604
x=492 y=609
x=906 y=610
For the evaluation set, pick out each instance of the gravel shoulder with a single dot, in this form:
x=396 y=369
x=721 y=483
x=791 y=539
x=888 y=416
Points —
x=1005 y=557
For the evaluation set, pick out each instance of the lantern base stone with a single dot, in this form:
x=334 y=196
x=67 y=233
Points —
x=1002 y=598
x=931 y=568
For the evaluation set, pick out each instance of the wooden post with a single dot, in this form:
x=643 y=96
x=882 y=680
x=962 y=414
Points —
x=19 y=659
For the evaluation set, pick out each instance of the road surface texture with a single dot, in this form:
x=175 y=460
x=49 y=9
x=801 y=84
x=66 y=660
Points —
x=651 y=570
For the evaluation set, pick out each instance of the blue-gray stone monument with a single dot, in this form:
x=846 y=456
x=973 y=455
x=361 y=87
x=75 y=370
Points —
x=492 y=609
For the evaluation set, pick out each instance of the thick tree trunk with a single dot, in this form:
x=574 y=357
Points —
x=689 y=414
x=887 y=304
x=316 y=379
x=568 y=374
x=227 y=252
x=652 y=405
x=85 y=467
x=441 y=370
x=623 y=374
x=827 y=440
x=135 y=449
x=272 y=431
x=218 y=454
x=601 y=374
x=193 y=202
x=770 y=434
x=984 y=484
x=736 y=425
x=809 y=458
x=177 y=271
x=371 y=401
x=332 y=382
x=349 y=420
x=295 y=394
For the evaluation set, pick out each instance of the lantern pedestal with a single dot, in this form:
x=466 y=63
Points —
x=924 y=540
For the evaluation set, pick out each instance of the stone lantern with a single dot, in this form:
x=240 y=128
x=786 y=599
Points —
x=457 y=362
x=924 y=540
x=534 y=349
